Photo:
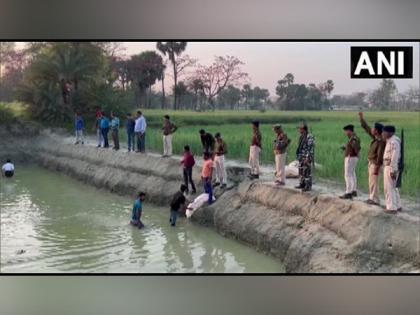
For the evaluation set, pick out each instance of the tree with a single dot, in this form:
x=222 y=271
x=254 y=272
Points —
x=197 y=87
x=144 y=70
x=327 y=87
x=222 y=72
x=181 y=90
x=172 y=50
x=229 y=97
x=246 y=93
x=384 y=96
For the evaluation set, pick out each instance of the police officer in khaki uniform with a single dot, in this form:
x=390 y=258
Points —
x=280 y=154
x=392 y=157
x=351 y=157
x=375 y=158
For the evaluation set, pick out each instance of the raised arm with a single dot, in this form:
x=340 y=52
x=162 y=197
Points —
x=365 y=126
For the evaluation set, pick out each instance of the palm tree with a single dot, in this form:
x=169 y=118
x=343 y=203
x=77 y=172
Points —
x=172 y=49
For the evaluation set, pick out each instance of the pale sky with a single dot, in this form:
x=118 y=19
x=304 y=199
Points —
x=310 y=62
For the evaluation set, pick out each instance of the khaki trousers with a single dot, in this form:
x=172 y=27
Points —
x=350 y=173
x=254 y=159
x=373 y=182
x=281 y=167
x=392 y=194
x=167 y=145
x=219 y=163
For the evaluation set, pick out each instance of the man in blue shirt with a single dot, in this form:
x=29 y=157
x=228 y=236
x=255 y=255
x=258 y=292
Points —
x=79 y=126
x=115 y=126
x=105 y=129
x=140 y=131
x=130 y=132
x=137 y=211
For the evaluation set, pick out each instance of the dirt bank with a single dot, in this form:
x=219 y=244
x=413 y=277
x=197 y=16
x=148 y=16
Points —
x=314 y=232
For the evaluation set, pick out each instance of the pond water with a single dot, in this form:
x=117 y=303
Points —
x=53 y=223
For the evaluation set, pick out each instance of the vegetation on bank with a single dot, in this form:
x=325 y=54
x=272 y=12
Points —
x=327 y=127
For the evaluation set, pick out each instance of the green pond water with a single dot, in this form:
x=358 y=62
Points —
x=53 y=223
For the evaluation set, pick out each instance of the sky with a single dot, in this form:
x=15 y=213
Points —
x=310 y=62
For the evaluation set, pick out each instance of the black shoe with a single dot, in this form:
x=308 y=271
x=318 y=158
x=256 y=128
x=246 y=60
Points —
x=354 y=193
x=399 y=209
x=256 y=176
x=346 y=196
x=371 y=202
x=172 y=224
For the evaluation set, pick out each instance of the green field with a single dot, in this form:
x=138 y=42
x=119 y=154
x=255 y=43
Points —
x=325 y=126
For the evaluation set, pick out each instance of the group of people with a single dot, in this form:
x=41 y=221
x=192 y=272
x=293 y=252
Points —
x=384 y=154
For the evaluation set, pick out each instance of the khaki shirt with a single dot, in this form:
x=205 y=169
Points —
x=392 y=153
x=376 y=148
x=352 y=147
x=221 y=148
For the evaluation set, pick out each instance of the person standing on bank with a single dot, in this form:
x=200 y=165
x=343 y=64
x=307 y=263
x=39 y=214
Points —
x=254 y=151
x=79 y=126
x=115 y=126
x=168 y=129
x=207 y=141
x=99 y=138
x=351 y=157
x=219 y=161
x=178 y=200
x=305 y=153
x=188 y=163
x=375 y=158
x=105 y=129
x=8 y=169
x=140 y=132
x=206 y=176
x=392 y=156
x=280 y=154
x=130 y=132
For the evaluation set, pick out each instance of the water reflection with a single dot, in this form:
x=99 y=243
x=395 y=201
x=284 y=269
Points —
x=62 y=225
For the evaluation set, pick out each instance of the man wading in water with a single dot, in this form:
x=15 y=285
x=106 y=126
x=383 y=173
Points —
x=137 y=211
x=177 y=201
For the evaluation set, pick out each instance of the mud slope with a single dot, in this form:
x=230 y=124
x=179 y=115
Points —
x=315 y=233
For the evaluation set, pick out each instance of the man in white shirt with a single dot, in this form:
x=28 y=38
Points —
x=392 y=155
x=140 y=132
x=8 y=169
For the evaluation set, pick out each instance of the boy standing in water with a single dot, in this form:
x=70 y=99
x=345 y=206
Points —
x=177 y=201
x=79 y=126
x=206 y=174
x=137 y=211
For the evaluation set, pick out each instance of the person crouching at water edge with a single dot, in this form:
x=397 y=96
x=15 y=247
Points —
x=392 y=156
x=351 y=157
x=280 y=154
x=188 y=162
x=219 y=161
x=206 y=175
x=79 y=126
x=105 y=129
x=137 y=210
x=168 y=129
x=8 y=169
x=115 y=126
x=254 y=151
x=178 y=200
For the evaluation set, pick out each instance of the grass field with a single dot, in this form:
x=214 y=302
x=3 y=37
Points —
x=325 y=126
